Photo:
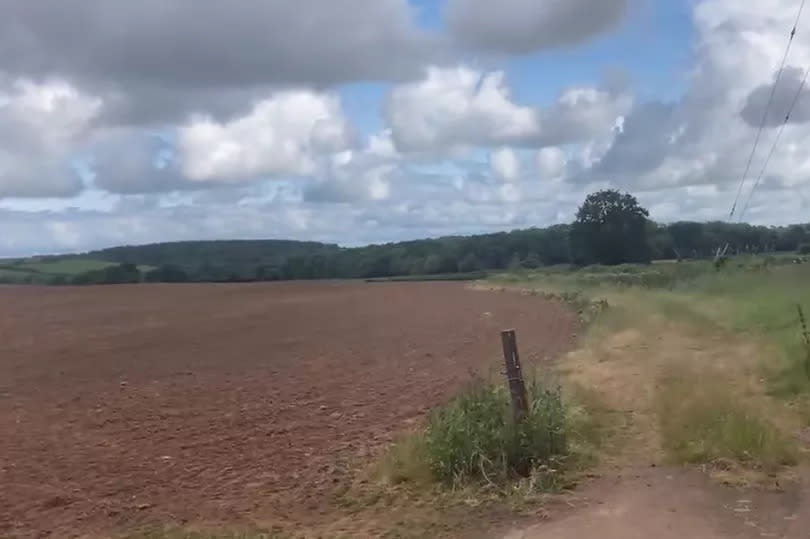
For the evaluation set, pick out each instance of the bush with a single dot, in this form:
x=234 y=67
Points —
x=116 y=274
x=167 y=274
x=804 y=249
x=474 y=436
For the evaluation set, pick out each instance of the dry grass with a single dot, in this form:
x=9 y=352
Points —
x=681 y=379
x=702 y=421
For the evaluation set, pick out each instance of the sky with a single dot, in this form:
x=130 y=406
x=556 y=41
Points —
x=367 y=121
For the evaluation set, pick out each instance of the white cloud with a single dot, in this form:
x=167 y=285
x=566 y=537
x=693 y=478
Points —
x=360 y=175
x=510 y=193
x=40 y=123
x=284 y=134
x=551 y=163
x=457 y=107
x=505 y=165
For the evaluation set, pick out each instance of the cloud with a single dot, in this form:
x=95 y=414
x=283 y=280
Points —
x=355 y=177
x=505 y=165
x=40 y=123
x=452 y=107
x=130 y=161
x=642 y=143
x=789 y=89
x=705 y=137
x=145 y=51
x=551 y=163
x=284 y=134
x=456 y=106
x=524 y=26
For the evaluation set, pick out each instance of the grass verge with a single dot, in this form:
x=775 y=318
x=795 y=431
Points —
x=694 y=359
x=703 y=421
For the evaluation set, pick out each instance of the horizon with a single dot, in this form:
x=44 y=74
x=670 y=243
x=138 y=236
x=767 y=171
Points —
x=357 y=246
x=418 y=119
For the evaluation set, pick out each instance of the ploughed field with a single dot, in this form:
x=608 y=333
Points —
x=122 y=406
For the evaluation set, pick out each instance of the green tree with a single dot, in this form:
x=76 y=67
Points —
x=166 y=274
x=610 y=228
x=532 y=261
x=469 y=263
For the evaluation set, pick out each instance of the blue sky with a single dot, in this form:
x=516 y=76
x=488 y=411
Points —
x=418 y=118
x=652 y=48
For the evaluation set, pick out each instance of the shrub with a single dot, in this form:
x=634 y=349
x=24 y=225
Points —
x=475 y=437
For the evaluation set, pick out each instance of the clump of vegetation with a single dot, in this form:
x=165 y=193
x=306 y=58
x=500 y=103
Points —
x=475 y=437
x=702 y=422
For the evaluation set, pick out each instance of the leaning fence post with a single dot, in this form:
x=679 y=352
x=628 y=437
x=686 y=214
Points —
x=514 y=374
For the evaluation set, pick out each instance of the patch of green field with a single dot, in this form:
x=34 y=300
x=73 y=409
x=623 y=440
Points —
x=64 y=266
x=51 y=266
x=474 y=276
x=51 y=270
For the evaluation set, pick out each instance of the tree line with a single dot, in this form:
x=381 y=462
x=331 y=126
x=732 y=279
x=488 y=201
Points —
x=610 y=228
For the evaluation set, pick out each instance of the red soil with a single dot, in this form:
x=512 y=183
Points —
x=127 y=405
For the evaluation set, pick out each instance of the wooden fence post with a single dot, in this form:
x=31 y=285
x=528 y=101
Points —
x=514 y=375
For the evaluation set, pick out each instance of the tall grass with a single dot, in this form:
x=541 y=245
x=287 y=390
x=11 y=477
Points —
x=755 y=296
x=702 y=422
x=475 y=437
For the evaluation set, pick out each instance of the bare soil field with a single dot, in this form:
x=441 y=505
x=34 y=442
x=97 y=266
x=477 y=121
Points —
x=127 y=405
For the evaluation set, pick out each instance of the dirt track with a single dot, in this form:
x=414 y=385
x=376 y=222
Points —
x=135 y=404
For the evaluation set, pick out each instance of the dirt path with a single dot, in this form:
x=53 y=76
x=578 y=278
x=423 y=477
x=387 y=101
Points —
x=126 y=405
x=673 y=503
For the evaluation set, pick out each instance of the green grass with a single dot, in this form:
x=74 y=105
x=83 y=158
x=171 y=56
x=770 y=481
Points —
x=474 y=437
x=474 y=440
x=65 y=266
x=704 y=422
x=760 y=305
x=474 y=276
x=754 y=296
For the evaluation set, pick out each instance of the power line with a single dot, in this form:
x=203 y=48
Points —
x=767 y=108
x=776 y=141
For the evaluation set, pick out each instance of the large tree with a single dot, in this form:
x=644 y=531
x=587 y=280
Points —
x=611 y=228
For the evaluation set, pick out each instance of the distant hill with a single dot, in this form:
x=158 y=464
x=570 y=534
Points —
x=218 y=260
x=268 y=260
x=223 y=255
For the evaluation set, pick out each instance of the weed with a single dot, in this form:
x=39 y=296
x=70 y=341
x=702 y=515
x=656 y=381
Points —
x=475 y=438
